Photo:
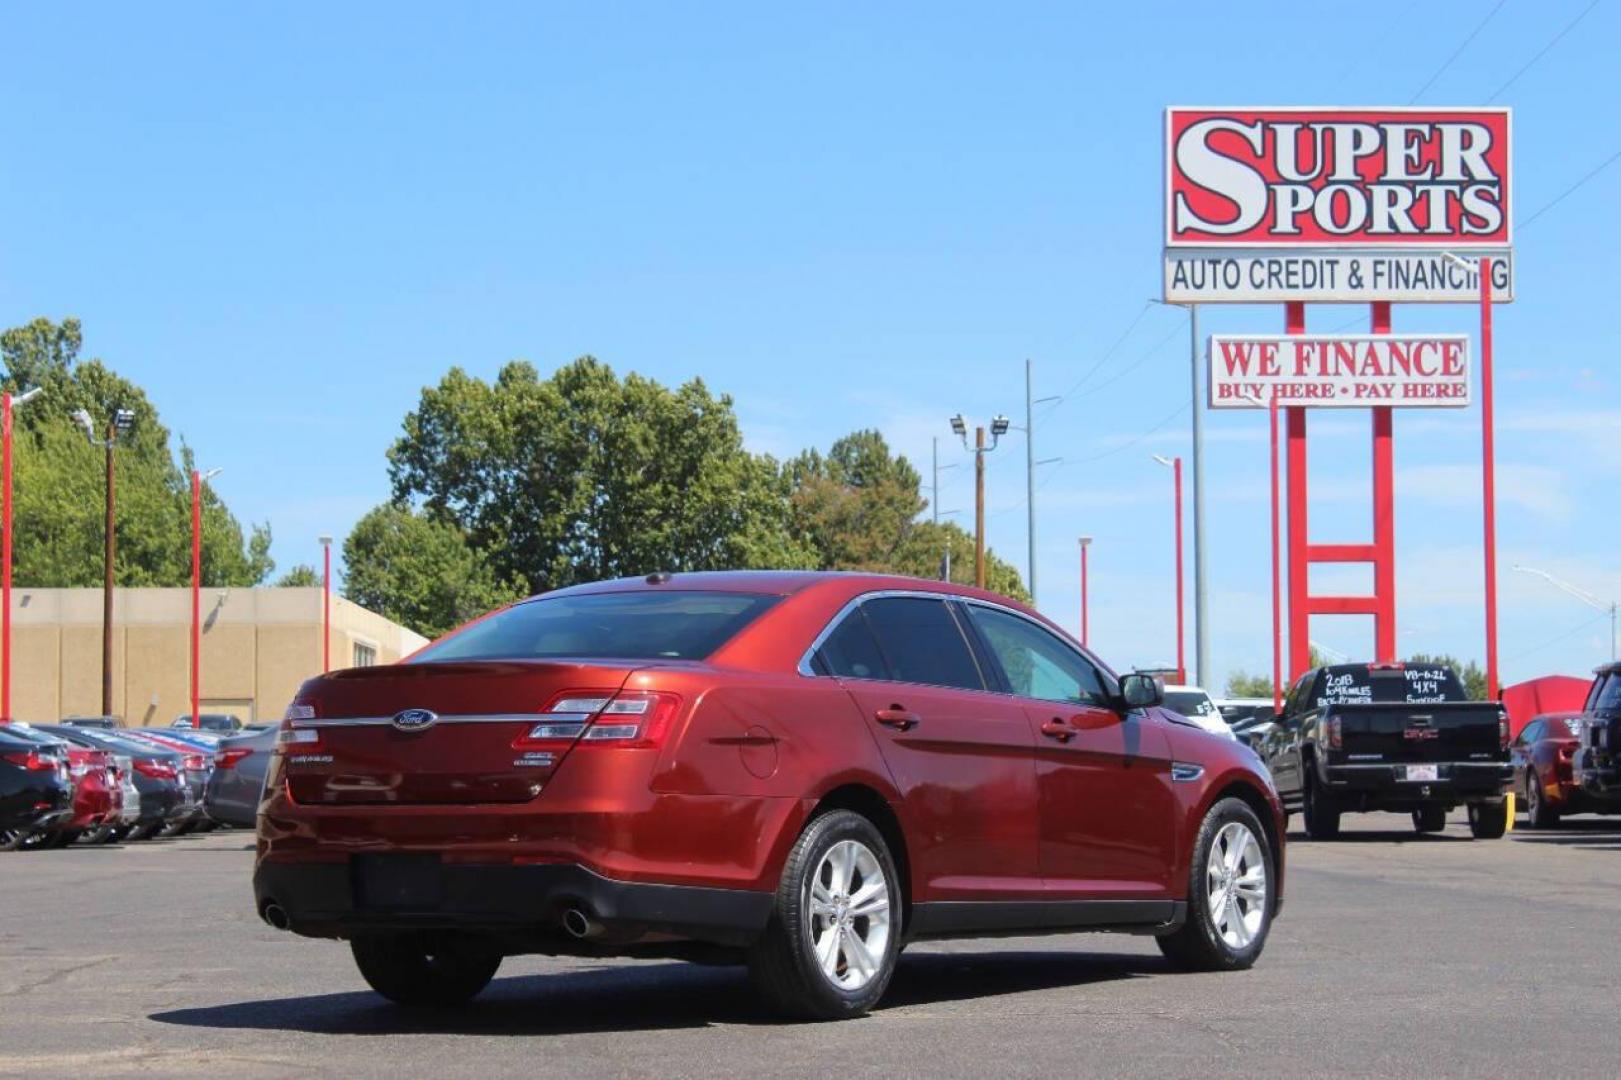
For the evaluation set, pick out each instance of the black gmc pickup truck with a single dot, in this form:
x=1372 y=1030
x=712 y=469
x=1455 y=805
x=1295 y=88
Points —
x=1359 y=737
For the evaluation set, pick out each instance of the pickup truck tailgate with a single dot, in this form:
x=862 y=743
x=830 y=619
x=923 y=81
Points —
x=1442 y=731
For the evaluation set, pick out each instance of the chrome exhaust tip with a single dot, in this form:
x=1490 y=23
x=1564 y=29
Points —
x=580 y=925
x=274 y=914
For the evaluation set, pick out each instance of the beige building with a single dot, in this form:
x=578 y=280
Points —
x=258 y=645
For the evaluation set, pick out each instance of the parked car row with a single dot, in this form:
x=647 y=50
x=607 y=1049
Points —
x=1570 y=762
x=89 y=780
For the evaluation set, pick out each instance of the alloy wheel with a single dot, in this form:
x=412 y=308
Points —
x=1235 y=885
x=850 y=915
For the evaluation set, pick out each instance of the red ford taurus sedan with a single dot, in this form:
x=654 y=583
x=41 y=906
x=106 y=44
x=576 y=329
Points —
x=801 y=770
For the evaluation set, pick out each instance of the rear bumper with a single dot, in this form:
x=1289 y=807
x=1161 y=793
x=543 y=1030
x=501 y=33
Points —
x=522 y=903
x=1596 y=781
x=1385 y=787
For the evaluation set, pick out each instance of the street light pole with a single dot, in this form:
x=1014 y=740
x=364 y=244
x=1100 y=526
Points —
x=999 y=427
x=8 y=404
x=1086 y=542
x=197 y=479
x=326 y=603
x=1175 y=465
x=119 y=424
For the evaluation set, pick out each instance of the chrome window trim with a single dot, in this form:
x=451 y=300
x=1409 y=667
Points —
x=386 y=721
x=807 y=669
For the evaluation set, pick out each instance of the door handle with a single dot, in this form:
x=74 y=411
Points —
x=898 y=718
x=1057 y=729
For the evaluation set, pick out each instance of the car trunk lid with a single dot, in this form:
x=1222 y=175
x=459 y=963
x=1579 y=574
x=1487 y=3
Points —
x=437 y=733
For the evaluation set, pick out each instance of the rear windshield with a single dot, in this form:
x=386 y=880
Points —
x=1389 y=686
x=628 y=626
x=1189 y=703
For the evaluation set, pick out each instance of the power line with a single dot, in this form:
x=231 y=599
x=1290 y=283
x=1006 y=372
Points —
x=1110 y=351
x=1556 y=640
x=1571 y=190
x=1571 y=25
x=1137 y=363
x=1458 y=51
x=1065 y=463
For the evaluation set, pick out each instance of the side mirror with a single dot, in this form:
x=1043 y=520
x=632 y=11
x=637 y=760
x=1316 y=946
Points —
x=1139 y=691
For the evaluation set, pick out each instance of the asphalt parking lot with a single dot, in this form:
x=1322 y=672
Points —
x=1396 y=955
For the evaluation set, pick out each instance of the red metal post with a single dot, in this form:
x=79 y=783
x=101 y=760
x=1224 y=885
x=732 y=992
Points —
x=1384 y=516
x=1299 y=591
x=1488 y=474
x=1277 y=589
x=196 y=597
x=1181 y=654
x=326 y=609
x=5 y=557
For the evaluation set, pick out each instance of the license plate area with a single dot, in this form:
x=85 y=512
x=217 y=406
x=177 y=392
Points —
x=397 y=882
x=1422 y=773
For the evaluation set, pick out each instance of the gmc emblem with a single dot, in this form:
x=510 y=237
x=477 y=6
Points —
x=1421 y=733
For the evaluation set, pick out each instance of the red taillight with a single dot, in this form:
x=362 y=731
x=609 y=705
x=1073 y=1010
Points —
x=1567 y=751
x=227 y=759
x=33 y=761
x=195 y=763
x=154 y=769
x=1335 y=741
x=629 y=718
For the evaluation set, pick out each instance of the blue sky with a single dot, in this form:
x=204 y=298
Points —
x=284 y=220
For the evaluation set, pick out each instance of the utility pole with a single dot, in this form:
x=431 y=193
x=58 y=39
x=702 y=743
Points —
x=197 y=481
x=1030 y=478
x=118 y=425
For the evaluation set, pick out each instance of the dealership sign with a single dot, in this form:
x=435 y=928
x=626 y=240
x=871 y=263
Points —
x=1334 y=204
x=1339 y=371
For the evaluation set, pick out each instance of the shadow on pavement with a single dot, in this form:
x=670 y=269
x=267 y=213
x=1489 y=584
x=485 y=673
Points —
x=643 y=997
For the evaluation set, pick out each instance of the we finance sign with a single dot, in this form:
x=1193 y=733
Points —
x=1336 y=204
x=1355 y=371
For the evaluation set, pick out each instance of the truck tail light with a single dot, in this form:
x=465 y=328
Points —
x=1335 y=738
x=1502 y=730
x=632 y=718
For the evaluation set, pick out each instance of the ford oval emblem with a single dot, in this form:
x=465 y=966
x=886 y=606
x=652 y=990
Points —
x=414 y=719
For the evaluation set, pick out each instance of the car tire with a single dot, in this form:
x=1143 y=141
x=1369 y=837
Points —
x=433 y=971
x=1230 y=893
x=833 y=940
x=1538 y=814
x=101 y=834
x=1488 y=821
x=1322 y=817
x=12 y=839
x=1430 y=819
x=143 y=831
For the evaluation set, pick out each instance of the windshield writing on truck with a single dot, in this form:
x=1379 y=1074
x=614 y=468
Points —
x=1390 y=686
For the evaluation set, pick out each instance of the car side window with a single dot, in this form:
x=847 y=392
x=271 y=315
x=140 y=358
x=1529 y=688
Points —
x=1036 y=662
x=1593 y=693
x=922 y=643
x=1609 y=696
x=852 y=651
x=1532 y=732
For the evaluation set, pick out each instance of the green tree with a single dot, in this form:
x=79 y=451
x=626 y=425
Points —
x=1243 y=684
x=583 y=476
x=1469 y=672
x=419 y=572
x=60 y=478
x=302 y=576
x=858 y=507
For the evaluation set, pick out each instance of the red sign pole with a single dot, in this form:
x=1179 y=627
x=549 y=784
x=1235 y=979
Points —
x=196 y=597
x=1299 y=592
x=1384 y=516
x=1277 y=568
x=1488 y=474
x=5 y=557
x=326 y=607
